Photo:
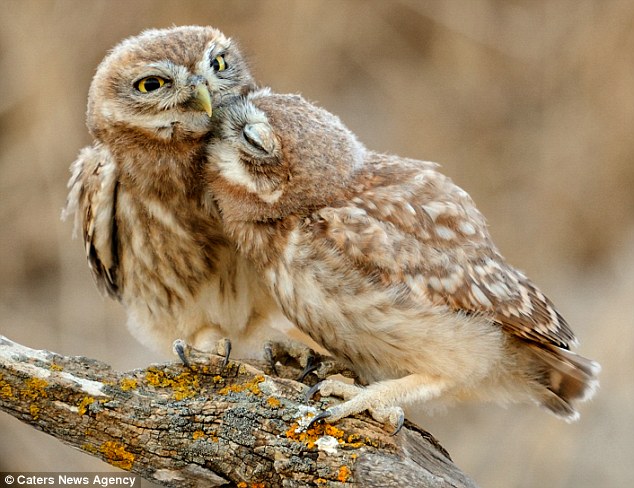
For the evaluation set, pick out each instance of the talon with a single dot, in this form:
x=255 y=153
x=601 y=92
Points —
x=311 y=392
x=311 y=365
x=399 y=423
x=268 y=354
x=227 y=347
x=180 y=347
x=320 y=416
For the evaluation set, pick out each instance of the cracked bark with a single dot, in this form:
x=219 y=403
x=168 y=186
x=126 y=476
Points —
x=211 y=427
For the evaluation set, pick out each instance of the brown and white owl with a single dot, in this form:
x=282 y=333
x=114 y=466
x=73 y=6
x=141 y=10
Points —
x=388 y=264
x=152 y=233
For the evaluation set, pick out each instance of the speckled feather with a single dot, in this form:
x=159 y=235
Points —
x=386 y=263
x=439 y=244
x=152 y=233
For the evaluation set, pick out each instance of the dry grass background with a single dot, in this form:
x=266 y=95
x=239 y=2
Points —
x=529 y=105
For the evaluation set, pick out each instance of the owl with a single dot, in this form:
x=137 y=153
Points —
x=151 y=230
x=388 y=264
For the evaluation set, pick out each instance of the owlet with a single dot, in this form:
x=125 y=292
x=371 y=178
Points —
x=387 y=264
x=151 y=231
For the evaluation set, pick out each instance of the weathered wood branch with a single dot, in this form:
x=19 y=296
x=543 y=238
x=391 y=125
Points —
x=207 y=426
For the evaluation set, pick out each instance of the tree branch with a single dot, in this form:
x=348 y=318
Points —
x=211 y=427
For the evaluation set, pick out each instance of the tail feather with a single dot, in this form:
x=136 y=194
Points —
x=567 y=377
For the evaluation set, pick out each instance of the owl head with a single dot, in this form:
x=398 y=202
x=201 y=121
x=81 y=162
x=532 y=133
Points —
x=273 y=155
x=162 y=84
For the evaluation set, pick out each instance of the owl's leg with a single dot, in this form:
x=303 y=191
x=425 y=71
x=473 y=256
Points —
x=381 y=399
x=289 y=352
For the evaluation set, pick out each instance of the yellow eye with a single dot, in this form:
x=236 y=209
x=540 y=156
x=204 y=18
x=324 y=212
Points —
x=218 y=63
x=149 y=84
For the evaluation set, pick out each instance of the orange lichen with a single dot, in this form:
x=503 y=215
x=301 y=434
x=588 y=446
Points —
x=89 y=447
x=252 y=386
x=273 y=402
x=196 y=368
x=311 y=435
x=115 y=454
x=244 y=484
x=6 y=391
x=35 y=411
x=34 y=389
x=198 y=434
x=83 y=405
x=128 y=384
x=344 y=474
x=184 y=384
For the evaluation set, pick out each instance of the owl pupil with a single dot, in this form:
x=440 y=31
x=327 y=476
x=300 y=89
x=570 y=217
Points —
x=218 y=63
x=152 y=84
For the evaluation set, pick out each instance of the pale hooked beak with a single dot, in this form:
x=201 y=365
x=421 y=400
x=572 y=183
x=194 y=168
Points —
x=202 y=98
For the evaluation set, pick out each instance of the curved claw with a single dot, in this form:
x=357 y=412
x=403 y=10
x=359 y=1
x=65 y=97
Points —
x=311 y=365
x=320 y=416
x=399 y=423
x=227 y=345
x=311 y=392
x=268 y=354
x=180 y=347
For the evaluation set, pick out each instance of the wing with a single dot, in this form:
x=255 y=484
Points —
x=92 y=198
x=408 y=223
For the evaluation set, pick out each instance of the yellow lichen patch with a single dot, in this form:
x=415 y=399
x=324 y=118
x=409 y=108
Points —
x=34 y=389
x=355 y=441
x=320 y=481
x=242 y=484
x=252 y=386
x=6 y=391
x=56 y=367
x=344 y=474
x=35 y=411
x=198 y=434
x=312 y=434
x=115 y=454
x=199 y=369
x=89 y=447
x=83 y=405
x=273 y=402
x=218 y=379
x=127 y=384
x=184 y=384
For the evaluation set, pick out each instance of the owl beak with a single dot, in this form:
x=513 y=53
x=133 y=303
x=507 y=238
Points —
x=202 y=98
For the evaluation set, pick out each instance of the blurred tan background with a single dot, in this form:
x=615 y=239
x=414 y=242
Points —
x=529 y=105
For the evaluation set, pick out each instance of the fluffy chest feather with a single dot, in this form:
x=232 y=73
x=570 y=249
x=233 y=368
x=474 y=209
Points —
x=169 y=252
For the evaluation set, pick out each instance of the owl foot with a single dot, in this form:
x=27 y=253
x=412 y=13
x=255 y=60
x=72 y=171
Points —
x=181 y=348
x=357 y=399
x=223 y=348
x=293 y=352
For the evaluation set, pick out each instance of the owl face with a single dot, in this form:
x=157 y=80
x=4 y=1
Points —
x=164 y=83
x=274 y=155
